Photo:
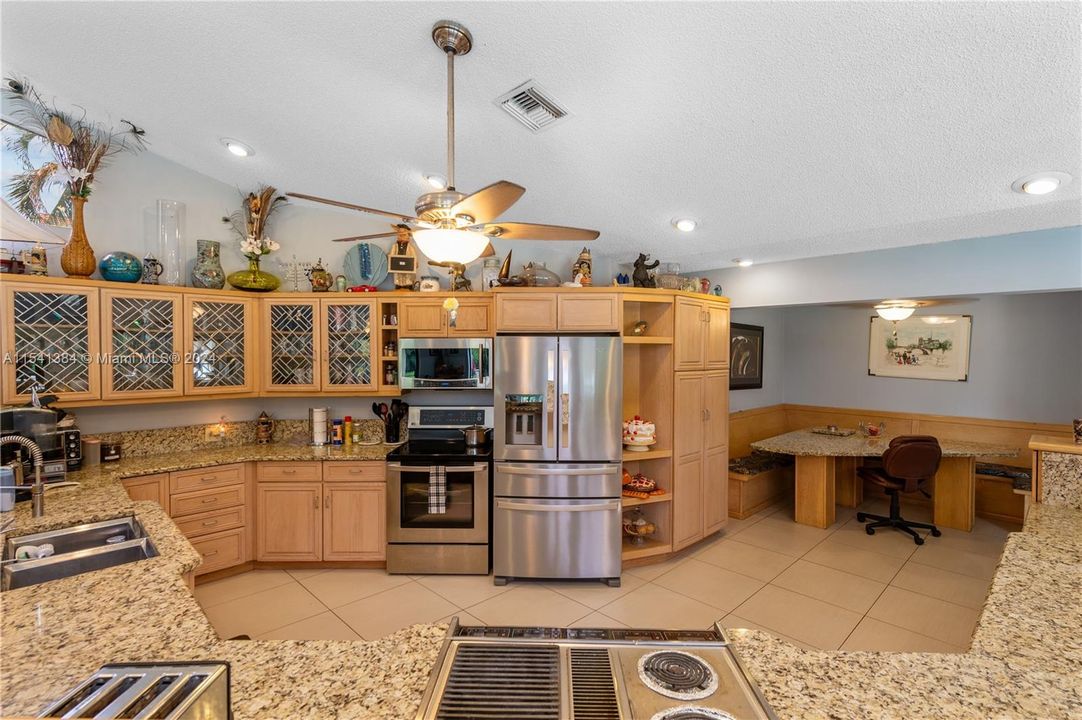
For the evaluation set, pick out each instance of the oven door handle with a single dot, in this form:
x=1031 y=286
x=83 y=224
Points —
x=399 y=467
x=563 y=472
x=607 y=505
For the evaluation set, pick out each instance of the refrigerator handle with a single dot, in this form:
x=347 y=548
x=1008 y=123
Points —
x=548 y=431
x=565 y=398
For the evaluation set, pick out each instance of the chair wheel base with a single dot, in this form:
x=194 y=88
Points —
x=861 y=517
x=919 y=541
x=936 y=532
x=870 y=530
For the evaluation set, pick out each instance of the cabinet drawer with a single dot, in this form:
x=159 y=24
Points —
x=289 y=471
x=354 y=471
x=211 y=522
x=149 y=487
x=220 y=550
x=204 y=500
x=203 y=478
x=589 y=312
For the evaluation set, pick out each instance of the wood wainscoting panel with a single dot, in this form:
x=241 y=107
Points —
x=747 y=426
x=953 y=501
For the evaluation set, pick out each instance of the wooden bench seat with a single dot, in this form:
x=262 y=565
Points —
x=757 y=481
x=1021 y=478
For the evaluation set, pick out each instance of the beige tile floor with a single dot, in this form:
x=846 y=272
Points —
x=829 y=589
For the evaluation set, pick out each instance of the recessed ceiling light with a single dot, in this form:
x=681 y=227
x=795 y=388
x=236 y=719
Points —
x=1040 y=183
x=436 y=182
x=684 y=224
x=237 y=147
x=743 y=262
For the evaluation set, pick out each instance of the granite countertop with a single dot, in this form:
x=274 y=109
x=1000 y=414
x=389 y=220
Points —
x=1024 y=662
x=806 y=442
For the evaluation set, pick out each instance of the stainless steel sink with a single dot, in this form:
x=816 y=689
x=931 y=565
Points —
x=78 y=549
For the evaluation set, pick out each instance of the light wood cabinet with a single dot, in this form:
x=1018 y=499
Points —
x=526 y=312
x=154 y=488
x=588 y=312
x=700 y=442
x=203 y=478
x=50 y=340
x=701 y=336
x=289 y=521
x=221 y=550
x=300 y=518
x=349 y=338
x=422 y=319
x=219 y=341
x=354 y=521
x=290 y=337
x=189 y=503
x=211 y=522
x=427 y=318
x=141 y=335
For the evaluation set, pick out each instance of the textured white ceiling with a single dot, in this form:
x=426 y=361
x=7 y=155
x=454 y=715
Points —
x=787 y=129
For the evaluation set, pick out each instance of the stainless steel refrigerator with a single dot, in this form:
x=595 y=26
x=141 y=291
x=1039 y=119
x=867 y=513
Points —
x=556 y=483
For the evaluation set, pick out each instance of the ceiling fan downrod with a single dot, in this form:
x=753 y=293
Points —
x=453 y=39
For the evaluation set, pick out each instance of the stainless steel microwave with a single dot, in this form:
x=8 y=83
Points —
x=445 y=363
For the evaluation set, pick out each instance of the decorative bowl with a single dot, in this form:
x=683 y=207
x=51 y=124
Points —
x=121 y=267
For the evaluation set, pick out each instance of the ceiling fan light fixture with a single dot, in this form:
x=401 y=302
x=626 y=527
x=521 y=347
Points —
x=743 y=262
x=895 y=311
x=684 y=224
x=450 y=245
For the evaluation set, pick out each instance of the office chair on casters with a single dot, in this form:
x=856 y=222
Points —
x=908 y=463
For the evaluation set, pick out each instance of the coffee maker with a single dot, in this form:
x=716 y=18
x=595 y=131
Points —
x=61 y=447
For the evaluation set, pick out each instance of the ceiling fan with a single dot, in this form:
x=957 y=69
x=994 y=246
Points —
x=451 y=226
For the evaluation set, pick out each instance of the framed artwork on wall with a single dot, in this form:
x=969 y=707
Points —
x=745 y=356
x=924 y=348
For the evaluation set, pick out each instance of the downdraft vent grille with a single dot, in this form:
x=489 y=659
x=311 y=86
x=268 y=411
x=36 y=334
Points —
x=532 y=106
x=502 y=681
x=593 y=692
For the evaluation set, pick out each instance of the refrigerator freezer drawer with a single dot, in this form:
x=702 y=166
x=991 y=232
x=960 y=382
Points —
x=552 y=480
x=556 y=538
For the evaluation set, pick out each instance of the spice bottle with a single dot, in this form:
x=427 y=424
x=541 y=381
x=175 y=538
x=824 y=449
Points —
x=347 y=430
x=336 y=432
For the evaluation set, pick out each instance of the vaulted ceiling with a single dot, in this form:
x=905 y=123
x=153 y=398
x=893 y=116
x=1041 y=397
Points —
x=786 y=129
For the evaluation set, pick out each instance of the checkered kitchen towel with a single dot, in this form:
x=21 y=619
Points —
x=437 y=490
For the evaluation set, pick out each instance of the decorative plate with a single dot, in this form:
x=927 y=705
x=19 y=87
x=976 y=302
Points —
x=365 y=264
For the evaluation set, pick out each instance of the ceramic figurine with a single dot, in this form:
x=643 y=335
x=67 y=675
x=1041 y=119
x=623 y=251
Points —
x=340 y=283
x=402 y=260
x=37 y=262
x=264 y=428
x=505 y=269
x=641 y=274
x=151 y=270
x=208 y=272
x=429 y=283
x=582 y=269
x=319 y=278
x=121 y=267
x=717 y=290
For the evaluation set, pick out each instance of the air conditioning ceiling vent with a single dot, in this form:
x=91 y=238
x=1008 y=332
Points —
x=533 y=106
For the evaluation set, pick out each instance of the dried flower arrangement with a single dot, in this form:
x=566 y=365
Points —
x=250 y=222
x=81 y=148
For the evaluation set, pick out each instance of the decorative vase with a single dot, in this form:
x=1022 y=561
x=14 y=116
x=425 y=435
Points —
x=77 y=259
x=208 y=272
x=169 y=248
x=253 y=278
x=121 y=267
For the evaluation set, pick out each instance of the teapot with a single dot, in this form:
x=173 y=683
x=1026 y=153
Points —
x=321 y=279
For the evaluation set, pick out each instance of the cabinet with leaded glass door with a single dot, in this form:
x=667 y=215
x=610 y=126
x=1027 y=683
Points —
x=290 y=335
x=50 y=341
x=219 y=345
x=349 y=351
x=141 y=344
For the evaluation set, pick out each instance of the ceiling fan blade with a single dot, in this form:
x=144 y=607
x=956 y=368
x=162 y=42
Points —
x=487 y=203
x=366 y=237
x=350 y=206
x=531 y=231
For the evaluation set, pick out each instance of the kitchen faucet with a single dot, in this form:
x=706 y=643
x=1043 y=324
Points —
x=37 y=492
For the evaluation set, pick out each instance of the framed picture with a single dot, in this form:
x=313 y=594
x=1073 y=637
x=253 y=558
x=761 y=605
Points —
x=924 y=348
x=745 y=357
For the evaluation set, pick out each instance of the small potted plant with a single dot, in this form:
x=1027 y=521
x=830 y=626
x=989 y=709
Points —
x=250 y=223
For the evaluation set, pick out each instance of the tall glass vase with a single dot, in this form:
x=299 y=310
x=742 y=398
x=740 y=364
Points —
x=169 y=249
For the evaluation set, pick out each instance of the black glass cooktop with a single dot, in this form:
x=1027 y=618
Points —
x=443 y=447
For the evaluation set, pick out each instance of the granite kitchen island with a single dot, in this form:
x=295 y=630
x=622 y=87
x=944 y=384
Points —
x=1025 y=659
